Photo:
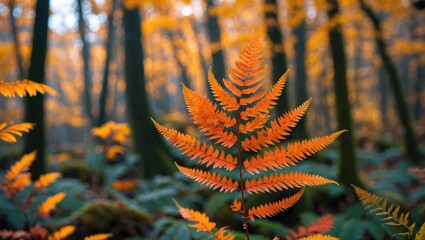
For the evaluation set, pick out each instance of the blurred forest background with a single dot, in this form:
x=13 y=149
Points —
x=361 y=61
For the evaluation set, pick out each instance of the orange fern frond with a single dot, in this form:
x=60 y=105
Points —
x=210 y=120
x=228 y=102
x=125 y=184
x=255 y=124
x=18 y=184
x=46 y=179
x=99 y=236
x=319 y=237
x=251 y=99
x=8 y=134
x=62 y=233
x=277 y=131
x=293 y=153
x=213 y=181
x=236 y=206
x=223 y=234
x=202 y=221
x=194 y=149
x=50 y=204
x=20 y=166
x=322 y=225
x=284 y=181
x=24 y=88
x=271 y=209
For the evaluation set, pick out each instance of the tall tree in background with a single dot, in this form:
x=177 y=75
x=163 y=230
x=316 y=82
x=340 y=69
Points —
x=348 y=169
x=155 y=159
x=109 y=55
x=86 y=64
x=16 y=44
x=279 y=62
x=411 y=142
x=34 y=106
x=300 y=31
x=214 y=35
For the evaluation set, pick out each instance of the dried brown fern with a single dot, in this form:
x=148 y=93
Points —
x=241 y=122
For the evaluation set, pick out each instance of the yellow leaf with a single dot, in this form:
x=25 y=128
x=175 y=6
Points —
x=8 y=134
x=24 y=88
x=21 y=166
x=62 y=233
x=46 y=179
x=50 y=204
x=100 y=236
x=113 y=151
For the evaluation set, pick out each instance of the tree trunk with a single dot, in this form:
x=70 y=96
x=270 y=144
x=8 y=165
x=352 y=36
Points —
x=214 y=34
x=183 y=71
x=279 y=62
x=155 y=157
x=109 y=55
x=34 y=106
x=86 y=64
x=16 y=44
x=348 y=169
x=411 y=142
x=300 y=76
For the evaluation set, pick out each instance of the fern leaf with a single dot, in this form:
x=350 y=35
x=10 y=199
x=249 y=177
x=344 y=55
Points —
x=213 y=181
x=210 y=120
x=255 y=124
x=203 y=223
x=194 y=149
x=251 y=99
x=284 y=181
x=322 y=225
x=267 y=102
x=271 y=209
x=18 y=184
x=277 y=131
x=24 y=88
x=8 y=134
x=293 y=153
x=20 y=166
x=46 y=179
x=50 y=204
x=236 y=206
x=421 y=233
x=319 y=237
x=223 y=234
x=389 y=214
x=99 y=236
x=228 y=102
x=62 y=233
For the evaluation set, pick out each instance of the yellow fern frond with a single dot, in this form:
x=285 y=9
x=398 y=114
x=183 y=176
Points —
x=213 y=181
x=99 y=236
x=8 y=134
x=271 y=209
x=113 y=151
x=194 y=149
x=62 y=233
x=284 y=181
x=389 y=213
x=46 y=179
x=18 y=184
x=293 y=153
x=50 y=204
x=20 y=166
x=202 y=222
x=210 y=120
x=319 y=237
x=227 y=102
x=277 y=131
x=24 y=88
x=421 y=233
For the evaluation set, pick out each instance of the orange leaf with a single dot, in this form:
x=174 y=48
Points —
x=62 y=233
x=236 y=206
x=203 y=223
x=22 y=165
x=46 y=179
x=24 y=88
x=322 y=225
x=228 y=102
x=50 y=204
x=8 y=134
x=99 y=236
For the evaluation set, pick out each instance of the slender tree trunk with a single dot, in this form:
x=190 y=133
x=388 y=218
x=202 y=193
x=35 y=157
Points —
x=214 y=34
x=411 y=142
x=34 y=106
x=348 y=169
x=279 y=62
x=204 y=65
x=300 y=75
x=383 y=89
x=86 y=64
x=183 y=71
x=16 y=44
x=109 y=55
x=155 y=157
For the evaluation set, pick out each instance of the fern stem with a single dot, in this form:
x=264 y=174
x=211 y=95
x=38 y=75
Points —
x=15 y=200
x=240 y=168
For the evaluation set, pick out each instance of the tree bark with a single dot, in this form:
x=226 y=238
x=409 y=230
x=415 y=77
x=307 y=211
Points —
x=34 y=106
x=410 y=139
x=300 y=76
x=86 y=64
x=155 y=157
x=214 y=34
x=279 y=62
x=16 y=44
x=109 y=55
x=348 y=167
